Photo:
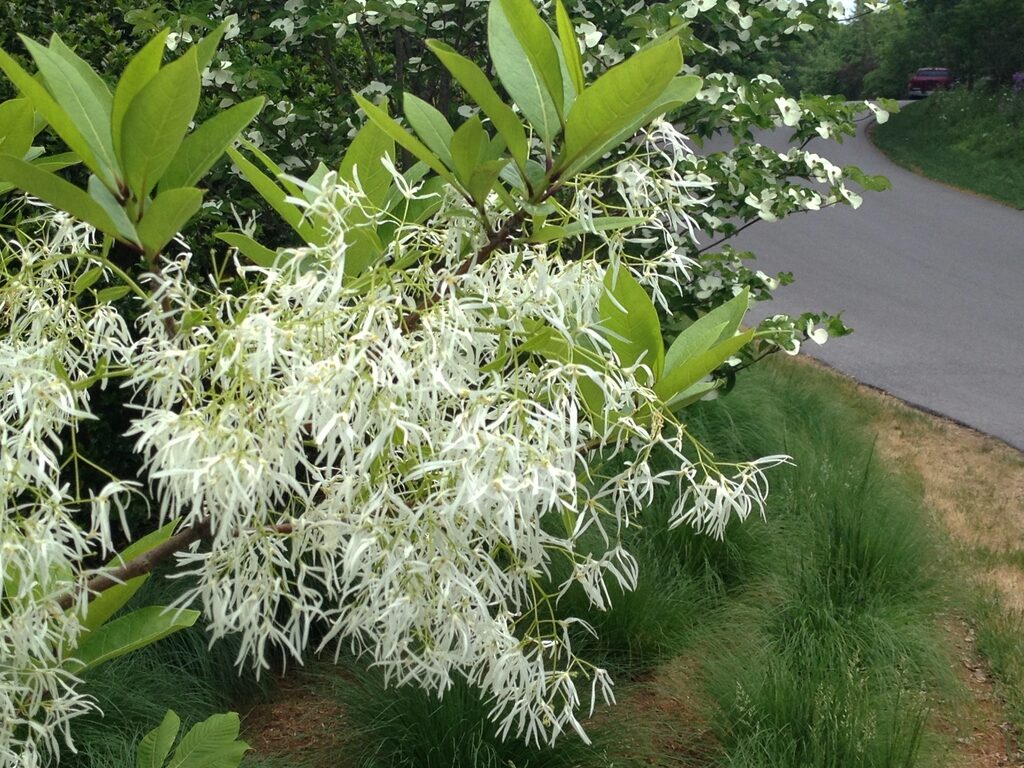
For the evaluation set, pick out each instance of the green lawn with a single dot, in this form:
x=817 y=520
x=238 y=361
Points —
x=972 y=140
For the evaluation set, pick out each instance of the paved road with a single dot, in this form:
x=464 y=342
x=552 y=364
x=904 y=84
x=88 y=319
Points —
x=932 y=281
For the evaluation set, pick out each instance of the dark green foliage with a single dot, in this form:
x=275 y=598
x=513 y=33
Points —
x=971 y=139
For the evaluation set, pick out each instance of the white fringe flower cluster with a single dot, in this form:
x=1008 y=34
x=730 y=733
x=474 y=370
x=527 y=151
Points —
x=49 y=346
x=380 y=456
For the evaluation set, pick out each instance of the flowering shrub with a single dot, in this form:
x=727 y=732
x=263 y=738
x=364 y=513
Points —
x=392 y=430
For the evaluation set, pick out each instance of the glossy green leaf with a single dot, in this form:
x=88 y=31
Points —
x=129 y=633
x=111 y=600
x=59 y=193
x=85 y=104
x=275 y=196
x=405 y=139
x=364 y=158
x=479 y=88
x=156 y=745
x=51 y=111
x=430 y=125
x=527 y=63
x=166 y=217
x=212 y=743
x=136 y=75
x=630 y=321
x=689 y=372
x=207 y=144
x=257 y=253
x=156 y=121
x=617 y=103
x=570 y=46
x=716 y=326
x=17 y=130
x=98 y=192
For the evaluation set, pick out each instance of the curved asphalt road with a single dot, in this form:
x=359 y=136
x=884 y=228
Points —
x=931 y=280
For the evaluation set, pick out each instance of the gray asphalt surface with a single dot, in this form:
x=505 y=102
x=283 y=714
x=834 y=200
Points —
x=931 y=280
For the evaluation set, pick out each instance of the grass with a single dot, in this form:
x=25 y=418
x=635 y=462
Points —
x=970 y=139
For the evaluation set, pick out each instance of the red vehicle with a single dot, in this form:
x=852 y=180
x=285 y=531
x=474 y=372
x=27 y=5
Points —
x=928 y=79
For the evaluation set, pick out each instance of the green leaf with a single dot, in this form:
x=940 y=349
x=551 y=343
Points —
x=167 y=215
x=129 y=633
x=98 y=89
x=274 y=195
x=527 y=63
x=112 y=294
x=206 y=48
x=468 y=147
x=405 y=139
x=630 y=322
x=258 y=254
x=51 y=111
x=156 y=745
x=84 y=102
x=156 y=121
x=137 y=74
x=56 y=162
x=430 y=125
x=212 y=743
x=616 y=104
x=315 y=181
x=692 y=394
x=111 y=600
x=103 y=196
x=687 y=373
x=204 y=146
x=599 y=224
x=483 y=178
x=276 y=171
x=479 y=88
x=570 y=46
x=364 y=157
x=716 y=326
x=59 y=193
x=17 y=121
x=87 y=279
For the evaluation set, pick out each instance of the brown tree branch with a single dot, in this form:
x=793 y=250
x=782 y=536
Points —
x=147 y=561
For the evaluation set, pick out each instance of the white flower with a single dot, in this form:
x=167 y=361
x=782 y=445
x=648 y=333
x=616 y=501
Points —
x=790 y=111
